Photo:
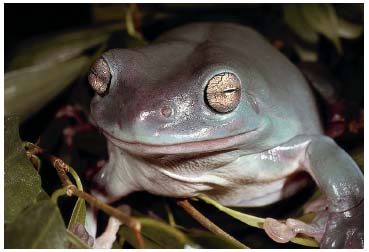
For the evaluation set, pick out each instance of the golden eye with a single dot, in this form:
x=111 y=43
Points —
x=223 y=92
x=99 y=76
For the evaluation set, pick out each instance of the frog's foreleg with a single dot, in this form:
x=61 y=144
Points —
x=336 y=174
x=341 y=181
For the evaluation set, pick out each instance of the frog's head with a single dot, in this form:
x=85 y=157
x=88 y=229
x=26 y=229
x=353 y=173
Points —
x=152 y=101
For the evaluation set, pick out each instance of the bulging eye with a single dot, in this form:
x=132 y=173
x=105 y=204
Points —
x=223 y=92
x=100 y=76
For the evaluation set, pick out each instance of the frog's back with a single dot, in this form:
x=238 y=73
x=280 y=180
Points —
x=275 y=82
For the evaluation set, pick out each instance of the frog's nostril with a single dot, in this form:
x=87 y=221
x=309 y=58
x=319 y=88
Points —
x=166 y=111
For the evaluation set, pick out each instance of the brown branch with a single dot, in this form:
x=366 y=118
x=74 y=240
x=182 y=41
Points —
x=62 y=169
x=205 y=222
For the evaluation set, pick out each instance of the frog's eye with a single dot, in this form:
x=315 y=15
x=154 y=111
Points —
x=223 y=92
x=100 y=76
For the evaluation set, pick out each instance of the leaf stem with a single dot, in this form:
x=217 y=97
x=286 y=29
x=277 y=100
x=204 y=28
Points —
x=55 y=196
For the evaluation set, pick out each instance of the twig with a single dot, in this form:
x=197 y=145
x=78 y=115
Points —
x=71 y=190
x=208 y=224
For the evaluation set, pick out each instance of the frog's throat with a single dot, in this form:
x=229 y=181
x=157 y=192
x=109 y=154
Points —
x=186 y=147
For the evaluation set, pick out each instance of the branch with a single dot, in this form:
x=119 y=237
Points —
x=205 y=222
x=62 y=169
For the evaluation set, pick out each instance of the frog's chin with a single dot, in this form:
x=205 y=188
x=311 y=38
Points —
x=218 y=144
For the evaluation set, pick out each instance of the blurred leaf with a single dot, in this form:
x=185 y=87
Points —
x=22 y=184
x=210 y=240
x=170 y=215
x=39 y=226
x=156 y=235
x=306 y=54
x=305 y=241
x=119 y=242
x=323 y=18
x=294 y=18
x=79 y=213
x=358 y=156
x=28 y=89
x=133 y=14
x=349 y=30
x=254 y=221
x=61 y=47
x=109 y=12
x=308 y=217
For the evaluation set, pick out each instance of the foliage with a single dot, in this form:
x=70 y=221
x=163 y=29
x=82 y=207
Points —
x=30 y=221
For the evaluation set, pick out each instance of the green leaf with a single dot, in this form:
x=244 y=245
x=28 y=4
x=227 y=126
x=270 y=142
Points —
x=39 y=226
x=349 y=30
x=357 y=155
x=42 y=196
x=29 y=89
x=109 y=12
x=22 y=184
x=245 y=218
x=62 y=46
x=209 y=240
x=296 y=21
x=323 y=18
x=79 y=213
x=306 y=54
x=156 y=235
x=254 y=221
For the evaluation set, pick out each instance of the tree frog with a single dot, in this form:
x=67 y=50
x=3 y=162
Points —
x=214 y=109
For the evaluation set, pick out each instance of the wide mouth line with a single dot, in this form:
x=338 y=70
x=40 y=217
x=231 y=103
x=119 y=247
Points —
x=204 y=146
x=175 y=144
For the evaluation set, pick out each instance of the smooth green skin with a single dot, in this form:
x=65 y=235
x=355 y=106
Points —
x=247 y=157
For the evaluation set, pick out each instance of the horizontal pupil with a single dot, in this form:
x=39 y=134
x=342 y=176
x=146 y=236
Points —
x=230 y=90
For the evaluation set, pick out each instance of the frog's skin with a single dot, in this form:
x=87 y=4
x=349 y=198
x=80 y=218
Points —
x=165 y=138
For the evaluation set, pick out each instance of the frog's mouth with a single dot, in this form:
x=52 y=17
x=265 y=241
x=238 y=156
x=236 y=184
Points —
x=211 y=145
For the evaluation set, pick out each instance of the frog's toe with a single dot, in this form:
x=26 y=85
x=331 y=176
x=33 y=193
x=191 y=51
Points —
x=278 y=231
x=283 y=232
